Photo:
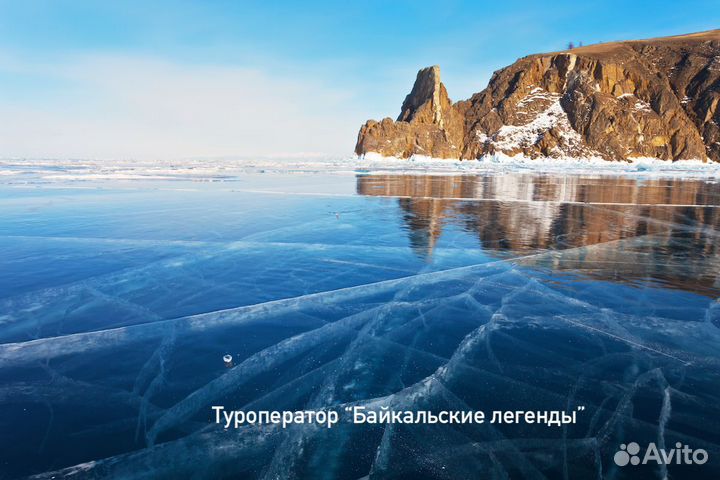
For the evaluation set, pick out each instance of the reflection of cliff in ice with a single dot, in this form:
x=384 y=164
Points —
x=517 y=214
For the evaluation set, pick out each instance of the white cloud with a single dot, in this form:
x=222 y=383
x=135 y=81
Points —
x=115 y=106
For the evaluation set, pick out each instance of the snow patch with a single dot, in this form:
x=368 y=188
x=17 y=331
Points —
x=535 y=94
x=642 y=106
x=511 y=138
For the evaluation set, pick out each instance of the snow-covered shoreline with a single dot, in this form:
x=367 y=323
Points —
x=563 y=166
x=227 y=169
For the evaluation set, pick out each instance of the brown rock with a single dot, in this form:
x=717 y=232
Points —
x=428 y=124
x=651 y=98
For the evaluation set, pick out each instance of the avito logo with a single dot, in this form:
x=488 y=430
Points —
x=680 y=455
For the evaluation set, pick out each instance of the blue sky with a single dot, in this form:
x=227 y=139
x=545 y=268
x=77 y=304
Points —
x=218 y=78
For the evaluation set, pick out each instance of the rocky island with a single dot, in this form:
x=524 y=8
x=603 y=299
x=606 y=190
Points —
x=654 y=98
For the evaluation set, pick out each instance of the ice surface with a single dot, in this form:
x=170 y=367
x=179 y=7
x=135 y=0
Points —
x=507 y=292
x=231 y=170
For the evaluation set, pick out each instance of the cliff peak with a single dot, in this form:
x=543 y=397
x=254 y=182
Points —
x=426 y=91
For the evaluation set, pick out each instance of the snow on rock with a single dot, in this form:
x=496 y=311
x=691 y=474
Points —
x=549 y=124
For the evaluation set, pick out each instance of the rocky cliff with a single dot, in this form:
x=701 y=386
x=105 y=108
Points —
x=649 y=98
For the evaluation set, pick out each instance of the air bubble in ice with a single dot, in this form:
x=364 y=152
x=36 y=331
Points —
x=228 y=359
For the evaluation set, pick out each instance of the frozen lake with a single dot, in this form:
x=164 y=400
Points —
x=121 y=290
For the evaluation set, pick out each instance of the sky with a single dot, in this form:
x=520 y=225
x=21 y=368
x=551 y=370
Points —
x=202 y=79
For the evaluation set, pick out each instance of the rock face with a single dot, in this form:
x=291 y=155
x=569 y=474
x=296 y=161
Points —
x=650 y=98
x=429 y=124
